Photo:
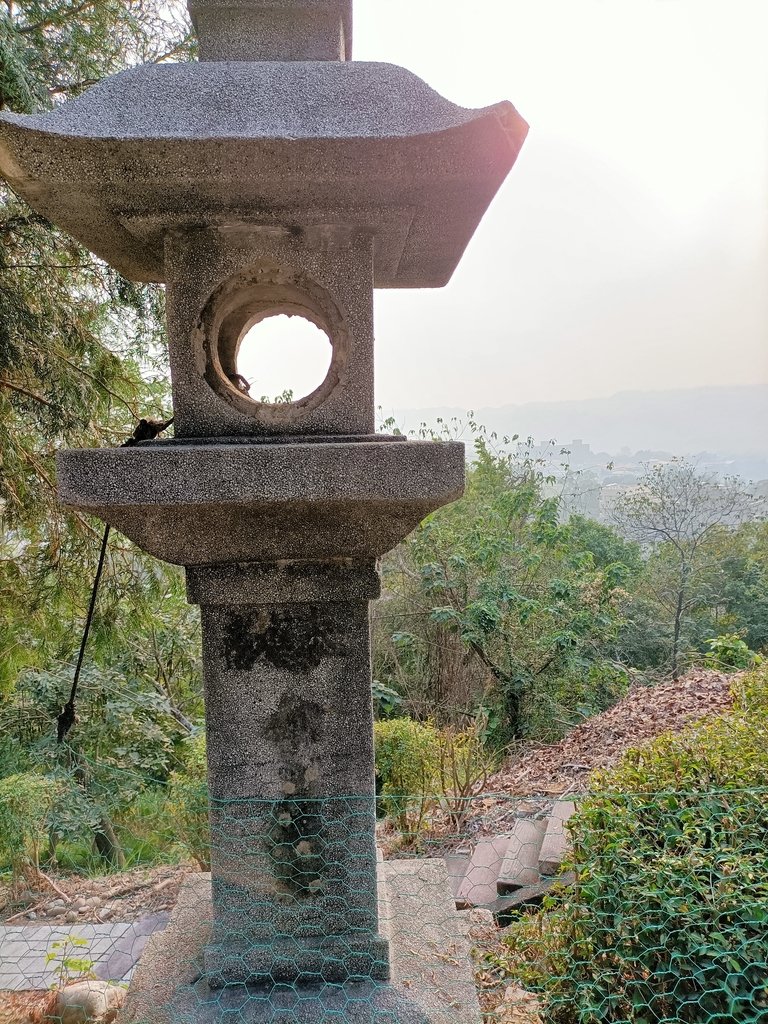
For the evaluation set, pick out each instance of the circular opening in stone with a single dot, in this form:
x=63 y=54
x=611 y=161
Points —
x=275 y=343
x=284 y=358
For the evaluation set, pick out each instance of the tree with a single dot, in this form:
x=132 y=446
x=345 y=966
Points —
x=498 y=575
x=80 y=346
x=605 y=544
x=82 y=357
x=675 y=511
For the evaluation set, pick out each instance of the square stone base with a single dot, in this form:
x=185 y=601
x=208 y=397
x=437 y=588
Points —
x=432 y=981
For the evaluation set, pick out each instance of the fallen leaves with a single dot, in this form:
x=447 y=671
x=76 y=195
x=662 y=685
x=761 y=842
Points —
x=124 y=897
x=645 y=713
x=518 y=1007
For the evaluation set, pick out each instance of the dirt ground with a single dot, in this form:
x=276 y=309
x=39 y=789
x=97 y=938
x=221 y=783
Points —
x=23 y=1007
x=120 y=897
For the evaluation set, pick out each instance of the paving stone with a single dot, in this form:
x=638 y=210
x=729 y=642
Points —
x=114 y=949
x=556 y=843
x=429 y=950
x=521 y=861
x=456 y=865
x=531 y=896
x=478 y=886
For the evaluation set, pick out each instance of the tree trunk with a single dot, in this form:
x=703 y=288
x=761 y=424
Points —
x=108 y=845
x=512 y=707
x=678 y=630
x=53 y=842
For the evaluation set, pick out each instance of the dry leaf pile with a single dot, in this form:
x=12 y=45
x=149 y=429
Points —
x=645 y=713
x=517 y=1007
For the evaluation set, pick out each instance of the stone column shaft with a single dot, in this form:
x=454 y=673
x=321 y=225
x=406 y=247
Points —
x=286 y=656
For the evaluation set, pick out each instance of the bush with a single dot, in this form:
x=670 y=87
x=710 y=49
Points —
x=728 y=652
x=463 y=766
x=669 y=918
x=406 y=770
x=420 y=768
x=148 y=830
x=25 y=804
x=188 y=802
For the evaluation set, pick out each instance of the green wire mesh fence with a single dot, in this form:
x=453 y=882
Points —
x=622 y=908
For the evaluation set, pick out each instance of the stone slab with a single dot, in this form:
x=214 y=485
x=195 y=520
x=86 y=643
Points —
x=429 y=950
x=273 y=29
x=203 y=504
x=456 y=865
x=431 y=966
x=478 y=887
x=142 y=152
x=530 y=896
x=520 y=866
x=555 y=846
x=173 y=959
x=290 y=582
x=113 y=948
x=120 y=957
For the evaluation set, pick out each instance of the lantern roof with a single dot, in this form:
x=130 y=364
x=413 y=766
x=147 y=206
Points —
x=365 y=145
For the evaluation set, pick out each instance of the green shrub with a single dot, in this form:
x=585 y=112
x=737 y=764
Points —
x=406 y=770
x=558 y=704
x=25 y=804
x=387 y=703
x=420 y=768
x=728 y=652
x=148 y=831
x=464 y=764
x=669 y=918
x=188 y=802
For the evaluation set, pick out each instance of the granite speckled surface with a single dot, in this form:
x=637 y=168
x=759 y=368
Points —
x=367 y=144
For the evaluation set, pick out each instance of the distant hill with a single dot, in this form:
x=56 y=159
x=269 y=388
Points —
x=728 y=421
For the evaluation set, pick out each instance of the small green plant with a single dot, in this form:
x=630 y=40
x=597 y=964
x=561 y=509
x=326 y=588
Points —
x=463 y=766
x=387 y=703
x=729 y=651
x=69 y=966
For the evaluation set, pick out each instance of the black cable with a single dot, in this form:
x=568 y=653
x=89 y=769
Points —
x=145 y=430
x=67 y=717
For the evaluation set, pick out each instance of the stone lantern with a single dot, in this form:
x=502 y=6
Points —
x=273 y=176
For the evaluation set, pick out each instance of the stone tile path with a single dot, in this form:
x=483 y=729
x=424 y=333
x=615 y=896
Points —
x=114 y=949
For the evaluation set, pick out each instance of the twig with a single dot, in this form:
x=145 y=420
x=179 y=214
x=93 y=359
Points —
x=50 y=881
x=25 y=391
x=23 y=913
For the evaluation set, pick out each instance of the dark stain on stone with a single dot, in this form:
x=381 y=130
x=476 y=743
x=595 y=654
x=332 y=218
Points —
x=293 y=637
x=295 y=838
x=296 y=723
x=296 y=847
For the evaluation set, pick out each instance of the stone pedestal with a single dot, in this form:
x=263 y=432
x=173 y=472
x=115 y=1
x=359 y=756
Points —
x=432 y=977
x=286 y=653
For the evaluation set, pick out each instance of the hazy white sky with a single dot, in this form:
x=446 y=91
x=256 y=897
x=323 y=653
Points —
x=629 y=246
